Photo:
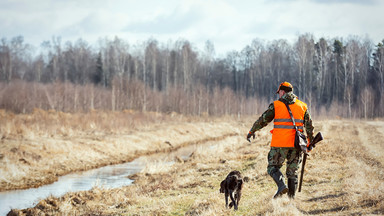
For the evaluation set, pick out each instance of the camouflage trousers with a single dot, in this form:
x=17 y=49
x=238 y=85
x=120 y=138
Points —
x=277 y=156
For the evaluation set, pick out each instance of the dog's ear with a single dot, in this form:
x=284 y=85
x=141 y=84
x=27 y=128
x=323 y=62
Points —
x=222 y=186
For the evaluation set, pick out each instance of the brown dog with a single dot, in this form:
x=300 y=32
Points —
x=231 y=186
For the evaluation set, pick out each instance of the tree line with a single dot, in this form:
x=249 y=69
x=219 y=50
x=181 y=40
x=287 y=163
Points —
x=336 y=76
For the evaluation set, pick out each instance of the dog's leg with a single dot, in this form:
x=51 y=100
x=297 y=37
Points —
x=238 y=191
x=238 y=196
x=226 y=199
x=233 y=200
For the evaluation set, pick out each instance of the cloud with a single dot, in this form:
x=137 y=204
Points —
x=228 y=24
x=359 y=2
x=173 y=23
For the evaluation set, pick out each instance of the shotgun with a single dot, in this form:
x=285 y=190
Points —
x=315 y=140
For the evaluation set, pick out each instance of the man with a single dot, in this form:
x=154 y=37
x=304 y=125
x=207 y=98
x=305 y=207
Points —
x=283 y=137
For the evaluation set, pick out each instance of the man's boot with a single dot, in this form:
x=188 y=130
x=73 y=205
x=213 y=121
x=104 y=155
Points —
x=279 y=180
x=292 y=185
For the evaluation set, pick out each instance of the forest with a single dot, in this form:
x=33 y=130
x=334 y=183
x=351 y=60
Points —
x=341 y=77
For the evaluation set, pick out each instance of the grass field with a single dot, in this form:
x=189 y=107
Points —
x=344 y=174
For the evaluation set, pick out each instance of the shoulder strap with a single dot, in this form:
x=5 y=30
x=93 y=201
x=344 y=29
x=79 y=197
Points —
x=290 y=113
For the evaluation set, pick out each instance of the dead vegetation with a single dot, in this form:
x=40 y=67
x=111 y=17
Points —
x=37 y=148
x=344 y=176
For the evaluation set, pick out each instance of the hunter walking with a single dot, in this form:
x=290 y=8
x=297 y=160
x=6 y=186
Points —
x=283 y=137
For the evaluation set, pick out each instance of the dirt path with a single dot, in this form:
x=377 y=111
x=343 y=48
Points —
x=372 y=136
x=345 y=176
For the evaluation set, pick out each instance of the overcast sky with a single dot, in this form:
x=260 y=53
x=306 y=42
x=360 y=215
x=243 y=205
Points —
x=229 y=24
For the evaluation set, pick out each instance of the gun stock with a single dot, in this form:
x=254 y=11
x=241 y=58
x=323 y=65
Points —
x=315 y=140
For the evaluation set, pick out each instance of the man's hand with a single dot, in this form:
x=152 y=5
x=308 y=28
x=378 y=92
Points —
x=249 y=135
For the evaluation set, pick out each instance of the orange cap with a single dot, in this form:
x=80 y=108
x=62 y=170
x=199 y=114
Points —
x=286 y=86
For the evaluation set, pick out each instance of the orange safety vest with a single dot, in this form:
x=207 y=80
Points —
x=283 y=133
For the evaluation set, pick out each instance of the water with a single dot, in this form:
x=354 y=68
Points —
x=108 y=177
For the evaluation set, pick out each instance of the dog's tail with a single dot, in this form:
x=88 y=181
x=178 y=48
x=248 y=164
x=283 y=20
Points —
x=222 y=186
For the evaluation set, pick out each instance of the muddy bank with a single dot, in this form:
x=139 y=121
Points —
x=32 y=161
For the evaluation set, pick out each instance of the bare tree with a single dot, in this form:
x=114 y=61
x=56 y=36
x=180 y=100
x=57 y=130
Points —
x=305 y=52
x=367 y=100
x=151 y=54
x=5 y=60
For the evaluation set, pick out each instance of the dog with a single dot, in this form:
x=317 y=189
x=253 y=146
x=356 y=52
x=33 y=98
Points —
x=231 y=186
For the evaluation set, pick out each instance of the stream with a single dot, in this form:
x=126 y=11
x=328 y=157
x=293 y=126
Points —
x=112 y=176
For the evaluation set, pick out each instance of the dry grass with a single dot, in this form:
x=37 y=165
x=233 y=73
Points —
x=37 y=148
x=343 y=177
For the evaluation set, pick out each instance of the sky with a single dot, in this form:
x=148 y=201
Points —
x=228 y=24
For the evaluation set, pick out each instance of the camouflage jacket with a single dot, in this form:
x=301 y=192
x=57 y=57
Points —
x=269 y=115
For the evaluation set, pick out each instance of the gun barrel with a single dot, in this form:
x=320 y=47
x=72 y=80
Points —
x=315 y=140
x=302 y=172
